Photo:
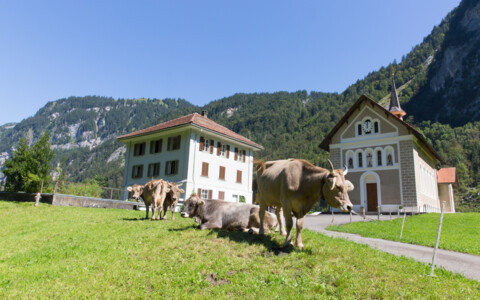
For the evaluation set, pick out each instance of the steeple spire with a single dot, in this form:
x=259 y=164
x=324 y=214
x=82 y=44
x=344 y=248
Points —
x=394 y=106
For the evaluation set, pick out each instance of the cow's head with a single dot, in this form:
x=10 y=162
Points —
x=336 y=188
x=175 y=191
x=191 y=205
x=136 y=190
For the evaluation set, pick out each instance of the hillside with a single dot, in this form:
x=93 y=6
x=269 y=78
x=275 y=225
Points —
x=292 y=124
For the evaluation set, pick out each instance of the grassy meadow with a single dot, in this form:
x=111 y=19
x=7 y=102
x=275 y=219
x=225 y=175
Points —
x=72 y=252
x=460 y=231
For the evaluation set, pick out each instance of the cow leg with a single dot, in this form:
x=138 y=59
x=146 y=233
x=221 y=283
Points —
x=210 y=225
x=261 y=213
x=154 y=209
x=281 y=220
x=298 y=239
x=165 y=210
x=174 y=207
x=146 y=206
x=287 y=213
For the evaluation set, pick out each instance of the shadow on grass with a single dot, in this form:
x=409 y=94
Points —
x=135 y=219
x=273 y=247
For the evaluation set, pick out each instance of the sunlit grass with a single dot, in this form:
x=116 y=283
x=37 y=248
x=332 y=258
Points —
x=71 y=252
x=460 y=232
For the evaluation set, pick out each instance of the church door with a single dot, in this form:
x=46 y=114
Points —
x=372 y=201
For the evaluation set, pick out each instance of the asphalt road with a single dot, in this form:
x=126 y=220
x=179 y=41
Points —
x=465 y=264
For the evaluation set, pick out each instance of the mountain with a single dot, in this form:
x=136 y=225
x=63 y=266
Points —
x=438 y=85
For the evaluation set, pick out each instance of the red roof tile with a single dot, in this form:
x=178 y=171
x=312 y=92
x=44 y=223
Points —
x=447 y=175
x=194 y=119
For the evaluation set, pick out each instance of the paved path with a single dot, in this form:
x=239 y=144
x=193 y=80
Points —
x=466 y=264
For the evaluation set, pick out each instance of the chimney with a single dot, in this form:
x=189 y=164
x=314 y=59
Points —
x=204 y=113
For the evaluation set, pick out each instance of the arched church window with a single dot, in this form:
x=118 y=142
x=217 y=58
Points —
x=359 y=129
x=375 y=127
x=379 y=157
x=350 y=163
x=360 y=160
x=389 y=159
x=369 y=159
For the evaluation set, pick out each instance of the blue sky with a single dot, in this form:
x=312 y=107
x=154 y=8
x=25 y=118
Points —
x=198 y=50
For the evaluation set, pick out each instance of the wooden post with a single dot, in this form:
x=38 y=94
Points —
x=403 y=222
x=111 y=193
x=55 y=193
x=85 y=191
x=333 y=216
x=362 y=210
x=438 y=239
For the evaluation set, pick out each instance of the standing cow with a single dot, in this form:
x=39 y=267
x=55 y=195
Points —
x=171 y=199
x=150 y=193
x=294 y=186
x=218 y=214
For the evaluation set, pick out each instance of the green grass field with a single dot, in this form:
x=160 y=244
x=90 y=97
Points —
x=460 y=232
x=71 y=252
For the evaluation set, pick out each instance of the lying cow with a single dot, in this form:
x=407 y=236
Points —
x=294 y=186
x=171 y=199
x=218 y=214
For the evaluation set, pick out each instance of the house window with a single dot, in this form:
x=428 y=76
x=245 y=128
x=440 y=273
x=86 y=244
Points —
x=239 y=176
x=173 y=143
x=171 y=167
x=205 y=169
x=212 y=145
x=137 y=171
x=223 y=150
x=375 y=127
x=206 y=145
x=221 y=173
x=235 y=198
x=219 y=148
x=240 y=155
x=360 y=160
x=139 y=149
x=205 y=194
x=379 y=157
x=153 y=170
x=156 y=146
x=221 y=195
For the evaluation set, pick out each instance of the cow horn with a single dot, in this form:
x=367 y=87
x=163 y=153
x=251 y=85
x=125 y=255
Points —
x=334 y=182
x=331 y=167
x=345 y=172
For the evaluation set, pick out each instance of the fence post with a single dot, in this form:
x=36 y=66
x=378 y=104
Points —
x=350 y=217
x=333 y=216
x=438 y=239
x=111 y=193
x=403 y=222
x=362 y=210
x=390 y=213
x=55 y=193
x=41 y=188
x=85 y=191
x=378 y=212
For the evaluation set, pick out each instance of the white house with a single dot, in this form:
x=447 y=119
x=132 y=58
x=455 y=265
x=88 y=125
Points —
x=389 y=162
x=213 y=161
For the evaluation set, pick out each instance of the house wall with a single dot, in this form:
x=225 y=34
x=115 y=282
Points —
x=445 y=194
x=426 y=182
x=212 y=182
x=407 y=167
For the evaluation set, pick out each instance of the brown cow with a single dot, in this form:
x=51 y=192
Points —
x=171 y=199
x=152 y=193
x=294 y=186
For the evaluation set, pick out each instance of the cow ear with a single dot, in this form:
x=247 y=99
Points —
x=349 y=185
x=181 y=191
x=129 y=188
x=201 y=202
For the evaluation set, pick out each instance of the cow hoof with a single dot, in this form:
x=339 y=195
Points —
x=299 y=246
x=250 y=231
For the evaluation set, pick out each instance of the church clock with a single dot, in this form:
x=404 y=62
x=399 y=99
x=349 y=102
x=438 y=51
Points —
x=367 y=126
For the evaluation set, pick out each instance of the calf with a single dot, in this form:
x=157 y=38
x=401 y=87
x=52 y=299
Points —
x=218 y=214
x=171 y=199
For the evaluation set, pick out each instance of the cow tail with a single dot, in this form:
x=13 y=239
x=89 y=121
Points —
x=260 y=165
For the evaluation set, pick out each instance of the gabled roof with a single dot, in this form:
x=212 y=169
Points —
x=325 y=144
x=194 y=119
x=447 y=175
